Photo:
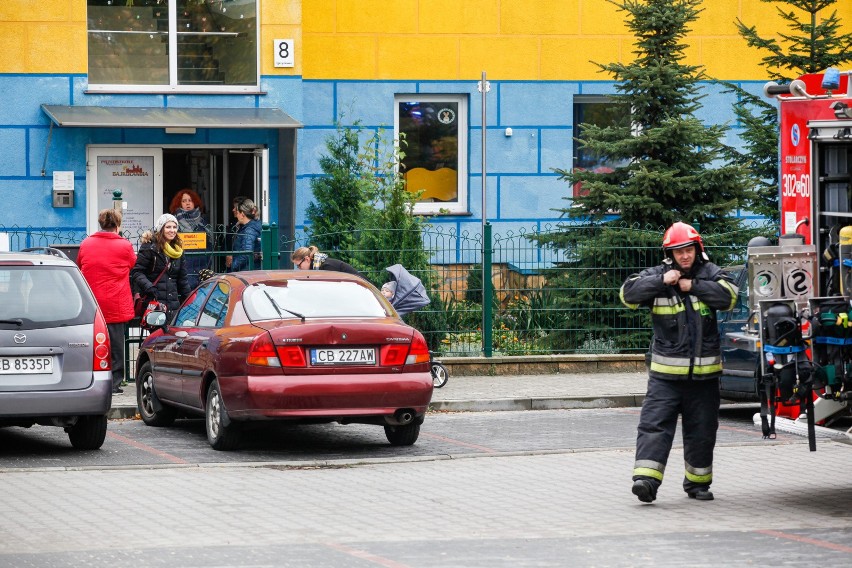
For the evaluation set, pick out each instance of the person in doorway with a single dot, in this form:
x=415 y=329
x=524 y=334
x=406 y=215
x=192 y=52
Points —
x=105 y=259
x=188 y=209
x=159 y=273
x=683 y=294
x=246 y=235
x=310 y=258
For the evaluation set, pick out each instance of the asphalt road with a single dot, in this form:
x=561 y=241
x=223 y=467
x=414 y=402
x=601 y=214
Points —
x=496 y=489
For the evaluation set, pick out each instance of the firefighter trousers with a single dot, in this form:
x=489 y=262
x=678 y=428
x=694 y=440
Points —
x=697 y=402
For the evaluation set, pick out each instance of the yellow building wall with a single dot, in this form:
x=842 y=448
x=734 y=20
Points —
x=512 y=39
x=423 y=39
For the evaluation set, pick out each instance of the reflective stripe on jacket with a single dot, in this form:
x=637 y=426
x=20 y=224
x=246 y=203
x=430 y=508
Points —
x=686 y=335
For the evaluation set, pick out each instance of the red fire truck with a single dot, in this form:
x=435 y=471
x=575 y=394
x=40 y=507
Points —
x=799 y=290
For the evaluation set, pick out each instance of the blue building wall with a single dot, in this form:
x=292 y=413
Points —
x=523 y=189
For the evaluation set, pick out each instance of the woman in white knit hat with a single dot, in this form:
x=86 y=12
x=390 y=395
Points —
x=160 y=271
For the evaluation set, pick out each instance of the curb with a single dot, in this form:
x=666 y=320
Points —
x=537 y=403
x=488 y=405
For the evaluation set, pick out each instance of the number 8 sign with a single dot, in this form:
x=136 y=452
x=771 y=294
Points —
x=283 y=53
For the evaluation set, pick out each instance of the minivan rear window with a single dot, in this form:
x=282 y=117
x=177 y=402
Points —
x=44 y=296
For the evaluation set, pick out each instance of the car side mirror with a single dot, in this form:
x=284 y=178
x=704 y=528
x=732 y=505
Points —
x=156 y=318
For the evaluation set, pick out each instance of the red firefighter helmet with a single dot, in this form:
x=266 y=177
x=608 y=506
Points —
x=681 y=235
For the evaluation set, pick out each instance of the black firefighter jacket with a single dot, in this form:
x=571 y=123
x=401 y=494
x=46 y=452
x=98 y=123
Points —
x=172 y=288
x=686 y=335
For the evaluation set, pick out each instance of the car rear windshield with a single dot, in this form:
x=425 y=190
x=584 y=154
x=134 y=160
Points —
x=311 y=299
x=42 y=296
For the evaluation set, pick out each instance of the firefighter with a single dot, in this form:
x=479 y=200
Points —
x=683 y=294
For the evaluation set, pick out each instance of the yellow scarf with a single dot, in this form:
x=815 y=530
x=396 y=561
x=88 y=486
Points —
x=172 y=252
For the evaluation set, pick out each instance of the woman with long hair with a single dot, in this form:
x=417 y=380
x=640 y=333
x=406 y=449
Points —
x=159 y=273
x=188 y=209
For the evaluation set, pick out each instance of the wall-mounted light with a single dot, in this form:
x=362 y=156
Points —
x=180 y=130
x=508 y=132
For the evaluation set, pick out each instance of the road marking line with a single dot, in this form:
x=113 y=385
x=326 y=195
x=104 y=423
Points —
x=459 y=443
x=380 y=560
x=146 y=448
x=807 y=540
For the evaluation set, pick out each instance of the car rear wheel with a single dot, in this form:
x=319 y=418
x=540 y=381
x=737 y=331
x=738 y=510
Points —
x=402 y=435
x=153 y=412
x=220 y=436
x=88 y=433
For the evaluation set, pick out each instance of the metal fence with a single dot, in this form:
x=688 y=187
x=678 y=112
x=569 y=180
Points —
x=552 y=289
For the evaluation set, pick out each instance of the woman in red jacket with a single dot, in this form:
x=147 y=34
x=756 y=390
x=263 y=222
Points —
x=105 y=259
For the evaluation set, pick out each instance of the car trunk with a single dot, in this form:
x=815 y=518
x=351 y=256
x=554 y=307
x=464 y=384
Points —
x=50 y=359
x=341 y=345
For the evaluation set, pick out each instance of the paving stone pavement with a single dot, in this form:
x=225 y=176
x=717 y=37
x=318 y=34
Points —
x=505 y=392
x=581 y=499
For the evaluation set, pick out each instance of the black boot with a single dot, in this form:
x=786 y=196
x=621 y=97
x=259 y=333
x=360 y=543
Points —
x=645 y=490
x=701 y=495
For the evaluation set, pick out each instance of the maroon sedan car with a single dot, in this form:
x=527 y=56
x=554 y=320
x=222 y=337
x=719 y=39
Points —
x=285 y=345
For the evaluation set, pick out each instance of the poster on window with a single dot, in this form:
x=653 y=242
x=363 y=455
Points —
x=134 y=176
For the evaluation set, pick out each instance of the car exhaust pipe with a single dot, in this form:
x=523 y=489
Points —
x=403 y=416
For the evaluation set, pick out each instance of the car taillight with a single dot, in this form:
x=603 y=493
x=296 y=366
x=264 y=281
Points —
x=291 y=356
x=419 y=352
x=393 y=354
x=100 y=345
x=262 y=352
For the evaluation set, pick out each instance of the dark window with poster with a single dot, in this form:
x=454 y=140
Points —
x=434 y=129
x=599 y=111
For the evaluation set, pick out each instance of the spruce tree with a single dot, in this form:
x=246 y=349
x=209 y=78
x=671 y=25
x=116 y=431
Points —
x=813 y=43
x=338 y=195
x=674 y=171
x=390 y=233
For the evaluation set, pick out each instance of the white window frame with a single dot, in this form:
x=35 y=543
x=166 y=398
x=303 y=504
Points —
x=173 y=86
x=461 y=204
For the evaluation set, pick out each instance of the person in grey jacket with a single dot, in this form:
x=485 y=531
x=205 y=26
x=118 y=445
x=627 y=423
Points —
x=683 y=294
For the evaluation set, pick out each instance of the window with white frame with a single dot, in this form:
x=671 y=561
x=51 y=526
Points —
x=173 y=45
x=600 y=111
x=434 y=129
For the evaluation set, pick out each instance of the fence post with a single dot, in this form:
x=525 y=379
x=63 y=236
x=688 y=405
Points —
x=266 y=246
x=487 y=291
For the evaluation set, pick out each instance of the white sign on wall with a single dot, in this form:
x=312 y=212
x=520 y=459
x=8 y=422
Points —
x=283 y=53
x=134 y=176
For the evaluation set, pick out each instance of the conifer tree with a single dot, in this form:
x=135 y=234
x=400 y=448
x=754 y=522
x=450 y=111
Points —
x=338 y=195
x=813 y=43
x=674 y=171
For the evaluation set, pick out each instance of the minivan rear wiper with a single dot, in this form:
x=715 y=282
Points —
x=17 y=321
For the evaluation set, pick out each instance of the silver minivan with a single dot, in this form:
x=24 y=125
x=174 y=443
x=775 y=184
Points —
x=54 y=348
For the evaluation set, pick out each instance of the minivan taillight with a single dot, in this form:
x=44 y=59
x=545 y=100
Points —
x=100 y=345
x=419 y=352
x=262 y=352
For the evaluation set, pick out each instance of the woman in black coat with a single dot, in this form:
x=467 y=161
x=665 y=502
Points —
x=162 y=250
x=317 y=260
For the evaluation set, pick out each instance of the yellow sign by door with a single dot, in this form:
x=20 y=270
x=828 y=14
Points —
x=194 y=241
